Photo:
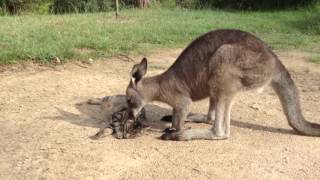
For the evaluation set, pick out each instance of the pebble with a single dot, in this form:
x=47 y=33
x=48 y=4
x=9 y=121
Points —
x=254 y=106
x=57 y=60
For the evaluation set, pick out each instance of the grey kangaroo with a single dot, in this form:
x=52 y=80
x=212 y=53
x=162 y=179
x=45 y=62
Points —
x=218 y=65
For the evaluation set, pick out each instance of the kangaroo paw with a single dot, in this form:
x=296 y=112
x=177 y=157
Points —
x=173 y=135
x=169 y=136
x=169 y=130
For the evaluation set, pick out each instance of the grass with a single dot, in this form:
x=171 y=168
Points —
x=82 y=36
x=315 y=59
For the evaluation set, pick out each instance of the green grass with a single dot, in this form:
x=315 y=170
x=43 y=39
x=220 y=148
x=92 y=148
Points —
x=83 y=36
x=315 y=59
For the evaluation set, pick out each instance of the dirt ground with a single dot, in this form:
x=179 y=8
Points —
x=45 y=127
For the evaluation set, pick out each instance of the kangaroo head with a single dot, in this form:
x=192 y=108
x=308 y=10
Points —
x=135 y=97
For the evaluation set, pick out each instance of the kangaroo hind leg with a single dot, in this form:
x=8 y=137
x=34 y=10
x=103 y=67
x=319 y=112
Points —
x=221 y=126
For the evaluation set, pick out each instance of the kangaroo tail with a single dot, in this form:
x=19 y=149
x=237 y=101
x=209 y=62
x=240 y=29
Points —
x=284 y=86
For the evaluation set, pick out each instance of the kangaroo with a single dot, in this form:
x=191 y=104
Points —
x=218 y=65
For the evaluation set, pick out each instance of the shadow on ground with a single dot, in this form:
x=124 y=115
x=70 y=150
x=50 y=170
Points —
x=93 y=116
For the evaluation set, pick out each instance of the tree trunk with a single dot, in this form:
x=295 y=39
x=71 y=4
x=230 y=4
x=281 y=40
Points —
x=117 y=8
x=178 y=2
x=143 y=3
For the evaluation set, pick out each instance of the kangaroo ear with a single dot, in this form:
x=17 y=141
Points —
x=139 y=70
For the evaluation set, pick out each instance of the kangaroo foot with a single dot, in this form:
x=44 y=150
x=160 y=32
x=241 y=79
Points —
x=192 y=134
x=171 y=135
